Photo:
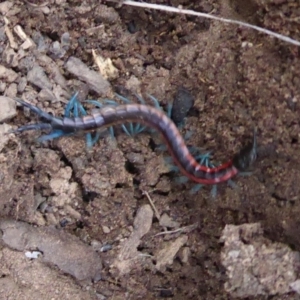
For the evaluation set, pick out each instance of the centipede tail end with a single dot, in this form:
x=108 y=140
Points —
x=38 y=126
x=42 y=114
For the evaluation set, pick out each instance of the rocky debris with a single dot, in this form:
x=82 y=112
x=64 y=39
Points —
x=166 y=256
x=166 y=221
x=8 y=108
x=7 y=75
x=23 y=278
x=38 y=77
x=59 y=248
x=256 y=266
x=94 y=79
x=129 y=256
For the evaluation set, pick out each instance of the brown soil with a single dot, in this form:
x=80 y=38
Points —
x=239 y=79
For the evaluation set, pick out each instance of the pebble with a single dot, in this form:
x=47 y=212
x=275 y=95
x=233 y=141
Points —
x=2 y=87
x=7 y=75
x=12 y=90
x=166 y=221
x=8 y=108
x=10 y=57
x=5 y=7
x=38 y=77
x=72 y=212
x=22 y=84
x=105 y=229
x=95 y=80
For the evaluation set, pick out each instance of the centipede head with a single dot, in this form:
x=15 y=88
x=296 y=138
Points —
x=247 y=156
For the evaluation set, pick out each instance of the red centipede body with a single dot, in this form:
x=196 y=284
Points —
x=157 y=119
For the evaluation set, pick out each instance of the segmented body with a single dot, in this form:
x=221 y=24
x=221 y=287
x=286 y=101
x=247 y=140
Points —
x=156 y=119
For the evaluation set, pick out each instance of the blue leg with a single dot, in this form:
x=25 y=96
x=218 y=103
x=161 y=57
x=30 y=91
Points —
x=53 y=135
x=70 y=105
x=132 y=129
x=196 y=188
x=78 y=110
x=59 y=133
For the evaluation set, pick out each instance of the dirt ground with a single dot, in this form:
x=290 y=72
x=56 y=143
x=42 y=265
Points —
x=89 y=212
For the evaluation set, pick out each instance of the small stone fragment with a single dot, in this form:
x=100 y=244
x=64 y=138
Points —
x=166 y=221
x=22 y=84
x=64 y=250
x=106 y=67
x=56 y=50
x=8 y=108
x=166 y=255
x=65 y=41
x=105 y=229
x=38 y=77
x=295 y=286
x=12 y=90
x=5 y=7
x=129 y=254
x=4 y=138
x=185 y=255
x=7 y=75
x=33 y=254
x=256 y=266
x=23 y=279
x=94 y=79
x=2 y=87
x=72 y=212
x=10 y=57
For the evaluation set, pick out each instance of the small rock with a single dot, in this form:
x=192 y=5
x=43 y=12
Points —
x=5 y=7
x=10 y=57
x=185 y=255
x=166 y=221
x=4 y=138
x=128 y=255
x=94 y=79
x=296 y=286
x=12 y=90
x=2 y=87
x=256 y=266
x=166 y=255
x=22 y=84
x=8 y=108
x=65 y=251
x=96 y=245
x=56 y=50
x=51 y=219
x=106 y=67
x=105 y=229
x=72 y=212
x=27 y=44
x=106 y=248
x=38 y=77
x=65 y=41
x=33 y=254
x=46 y=95
x=7 y=75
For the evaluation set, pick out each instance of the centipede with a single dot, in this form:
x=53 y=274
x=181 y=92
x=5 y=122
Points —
x=158 y=120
